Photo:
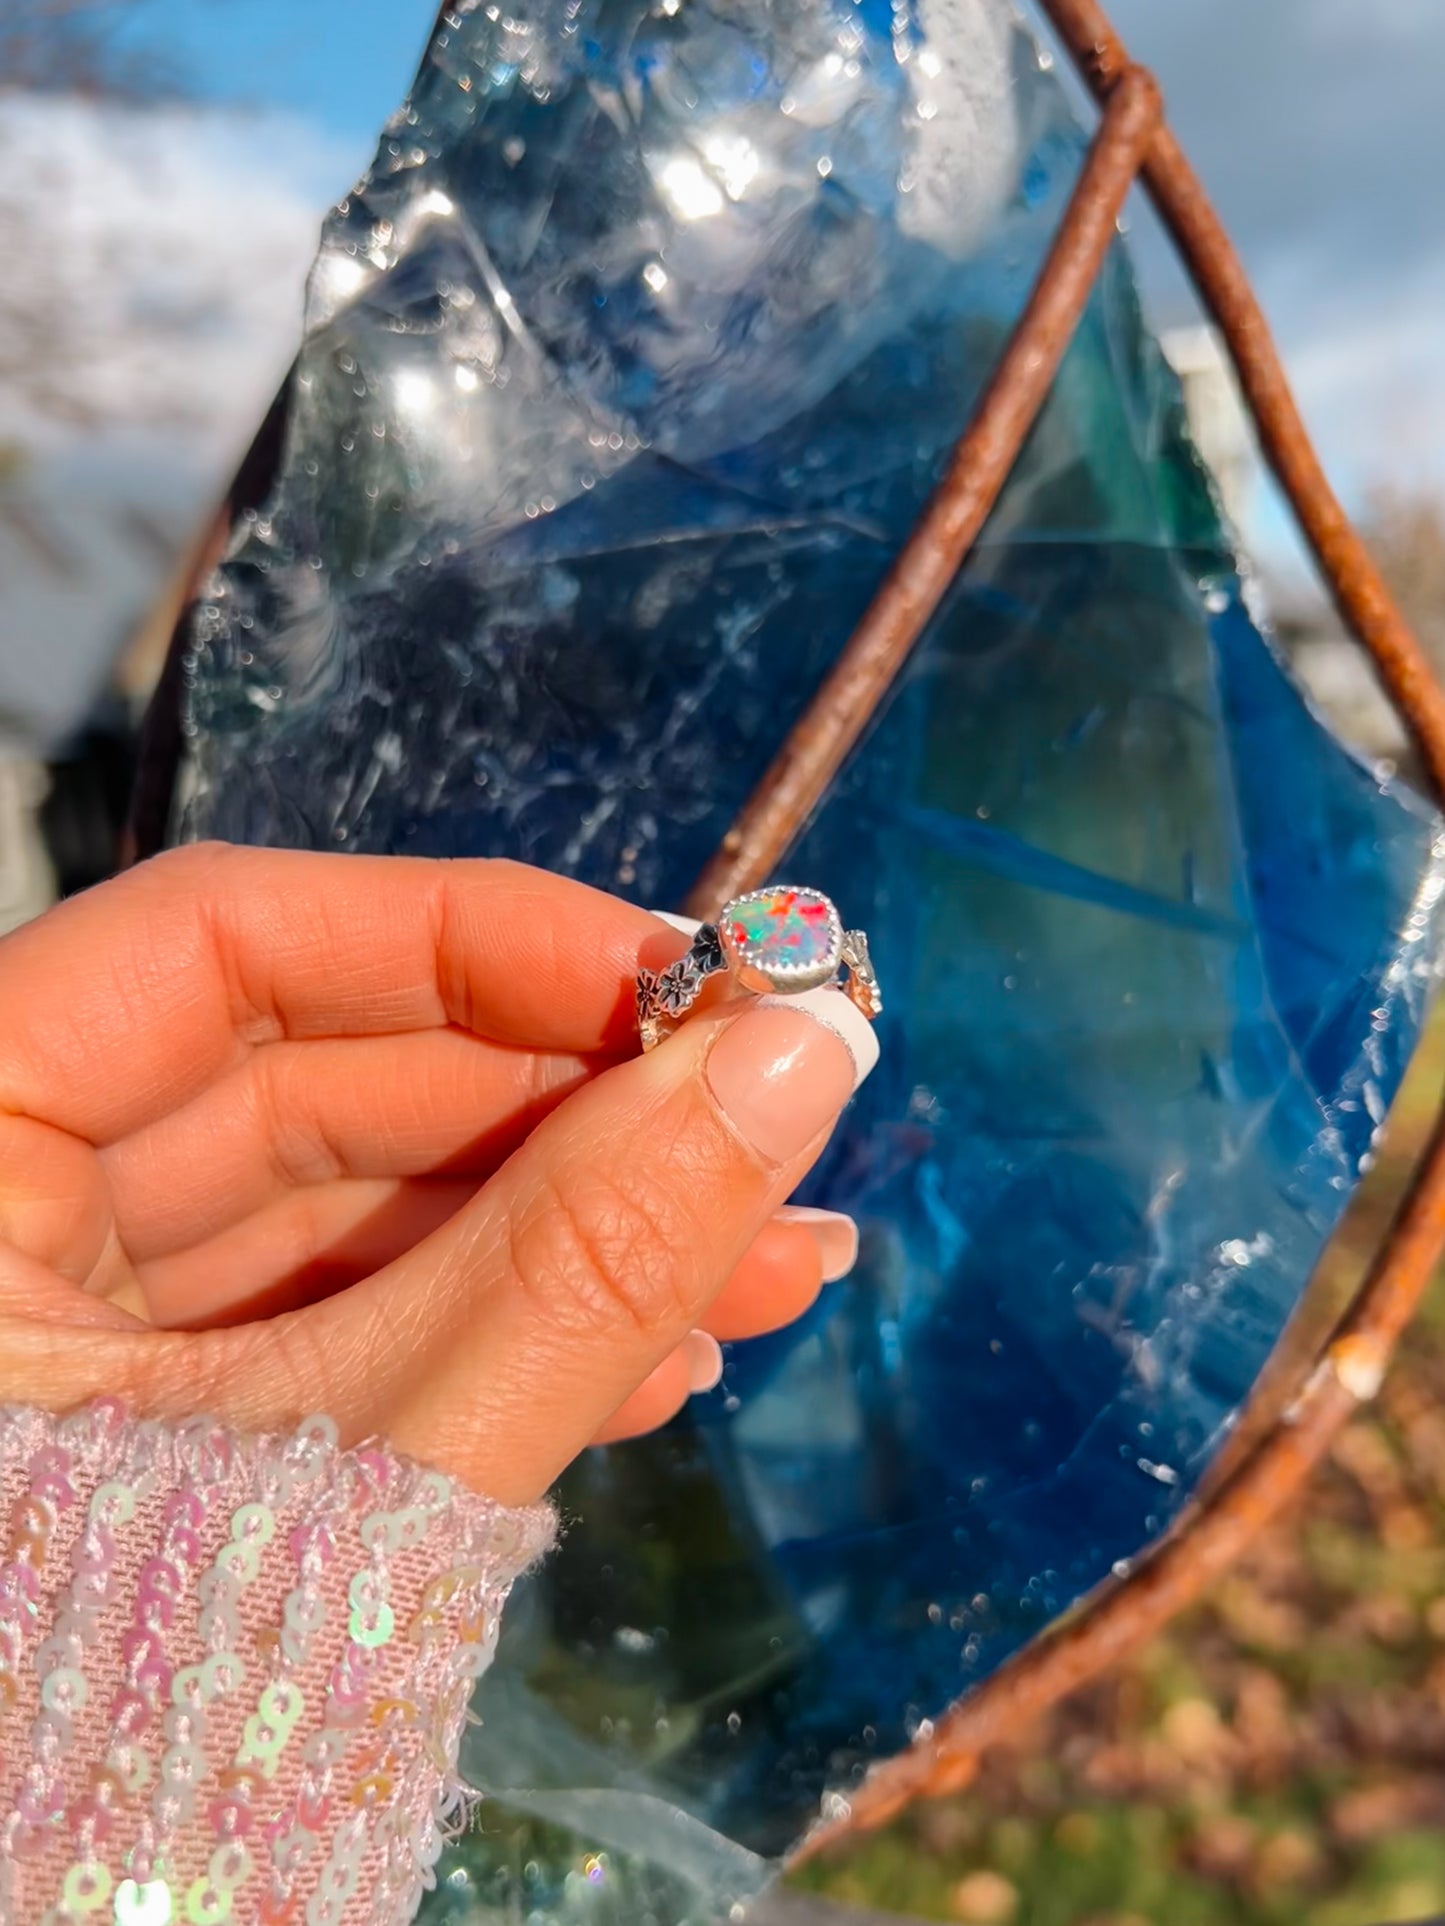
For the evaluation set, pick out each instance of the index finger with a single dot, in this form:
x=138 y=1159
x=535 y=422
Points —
x=126 y=1001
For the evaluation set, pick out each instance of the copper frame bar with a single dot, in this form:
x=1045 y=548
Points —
x=1348 y=569
x=799 y=774
x=1220 y=1525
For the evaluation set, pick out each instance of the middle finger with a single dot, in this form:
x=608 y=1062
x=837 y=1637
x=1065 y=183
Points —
x=296 y=1115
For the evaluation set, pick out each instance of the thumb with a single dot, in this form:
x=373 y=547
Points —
x=603 y=1240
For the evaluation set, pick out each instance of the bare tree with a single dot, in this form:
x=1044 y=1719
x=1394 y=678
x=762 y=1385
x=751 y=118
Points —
x=1406 y=530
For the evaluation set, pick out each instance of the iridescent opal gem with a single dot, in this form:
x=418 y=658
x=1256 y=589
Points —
x=782 y=939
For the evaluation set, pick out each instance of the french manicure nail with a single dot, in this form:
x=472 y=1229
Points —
x=835 y=1233
x=837 y=1012
x=704 y=1361
x=781 y=1077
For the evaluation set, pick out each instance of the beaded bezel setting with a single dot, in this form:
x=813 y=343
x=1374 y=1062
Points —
x=782 y=941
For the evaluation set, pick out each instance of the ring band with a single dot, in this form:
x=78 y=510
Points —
x=779 y=941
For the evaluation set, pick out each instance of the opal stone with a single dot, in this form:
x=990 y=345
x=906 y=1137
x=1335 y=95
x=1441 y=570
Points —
x=791 y=932
x=626 y=372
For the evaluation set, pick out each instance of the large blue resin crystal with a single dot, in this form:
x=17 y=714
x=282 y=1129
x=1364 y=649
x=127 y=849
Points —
x=626 y=371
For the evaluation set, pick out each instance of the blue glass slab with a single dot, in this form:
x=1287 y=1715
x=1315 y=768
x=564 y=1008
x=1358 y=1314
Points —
x=626 y=372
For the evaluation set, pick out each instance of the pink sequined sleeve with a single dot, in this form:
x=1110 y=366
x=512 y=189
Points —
x=233 y=1670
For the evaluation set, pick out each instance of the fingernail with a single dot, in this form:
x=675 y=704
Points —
x=704 y=1361
x=835 y=1233
x=837 y=1012
x=781 y=1077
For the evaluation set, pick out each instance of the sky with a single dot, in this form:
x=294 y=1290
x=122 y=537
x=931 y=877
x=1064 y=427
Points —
x=1315 y=124
x=340 y=65
x=1317 y=128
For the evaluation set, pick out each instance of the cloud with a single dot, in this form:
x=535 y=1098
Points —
x=1316 y=124
x=155 y=260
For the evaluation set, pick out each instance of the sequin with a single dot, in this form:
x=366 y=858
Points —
x=404 y=1711
x=206 y=1904
x=373 y=1465
x=93 y=1820
x=185 y=1542
x=140 y=1862
x=230 y=1866
x=183 y=1508
x=153 y=1776
x=41 y=1802
x=365 y=1591
x=240 y=1561
x=262 y=1744
x=106 y=1784
x=183 y=1765
x=313 y=1809
x=219 y=1623
x=282 y=1703
x=132 y=1766
x=187 y=1688
x=183 y=1726
x=130 y=1711
x=19 y=1586
x=87 y=1887
x=61 y=1648
x=96 y=1551
x=147 y=1904
x=324 y=1748
x=222 y=1672
x=28 y=1841
x=29 y=1547
x=161 y=1577
x=230 y=1816
x=318 y=1426
x=303 y=1613
x=394 y=1530
x=112 y=1503
x=155 y=1611
x=254 y=1522
x=372 y=1631
x=434 y=1490
x=291 y=1849
x=144 y=1652
x=64 y=1691
x=443 y=1590
x=50 y=1470
x=34 y=1517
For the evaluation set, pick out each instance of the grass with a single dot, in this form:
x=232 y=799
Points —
x=1277 y=1758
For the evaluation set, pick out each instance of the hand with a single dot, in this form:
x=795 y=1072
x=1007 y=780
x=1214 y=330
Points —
x=283 y=1133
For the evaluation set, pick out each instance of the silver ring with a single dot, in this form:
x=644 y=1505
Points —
x=778 y=941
